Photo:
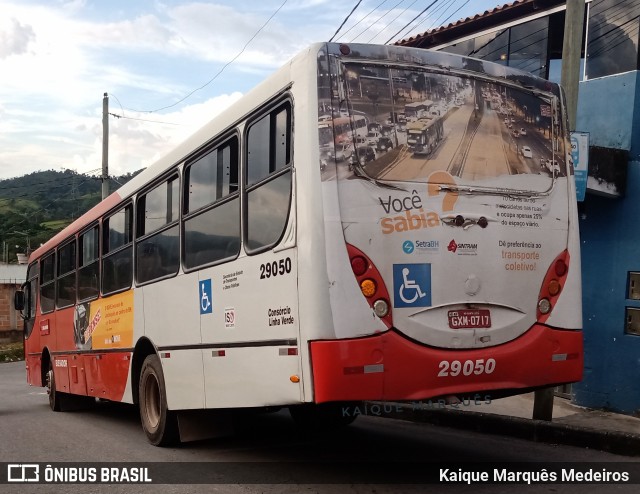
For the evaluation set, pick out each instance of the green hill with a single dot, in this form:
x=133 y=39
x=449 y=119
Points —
x=36 y=206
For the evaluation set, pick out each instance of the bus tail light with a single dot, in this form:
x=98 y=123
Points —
x=368 y=287
x=371 y=284
x=552 y=285
x=381 y=308
x=359 y=265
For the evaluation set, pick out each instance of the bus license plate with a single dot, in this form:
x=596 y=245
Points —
x=469 y=318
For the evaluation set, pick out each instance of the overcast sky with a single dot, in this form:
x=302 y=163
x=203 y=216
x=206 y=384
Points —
x=58 y=57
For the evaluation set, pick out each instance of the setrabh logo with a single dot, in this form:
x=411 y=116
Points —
x=419 y=247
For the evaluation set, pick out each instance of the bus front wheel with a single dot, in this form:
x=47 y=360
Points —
x=55 y=397
x=158 y=422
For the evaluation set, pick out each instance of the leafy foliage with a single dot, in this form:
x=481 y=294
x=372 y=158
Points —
x=35 y=207
x=11 y=352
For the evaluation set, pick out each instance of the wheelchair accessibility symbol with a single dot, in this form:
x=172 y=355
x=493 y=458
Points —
x=206 y=305
x=412 y=285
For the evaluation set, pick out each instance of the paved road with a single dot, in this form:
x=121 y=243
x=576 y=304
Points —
x=30 y=432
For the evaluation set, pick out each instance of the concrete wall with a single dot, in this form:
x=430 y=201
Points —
x=11 y=277
x=609 y=108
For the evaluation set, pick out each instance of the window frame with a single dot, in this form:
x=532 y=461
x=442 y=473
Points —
x=32 y=295
x=172 y=174
x=106 y=254
x=67 y=274
x=52 y=281
x=98 y=260
x=215 y=146
x=282 y=102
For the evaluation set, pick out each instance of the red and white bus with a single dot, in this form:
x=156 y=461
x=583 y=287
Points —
x=235 y=273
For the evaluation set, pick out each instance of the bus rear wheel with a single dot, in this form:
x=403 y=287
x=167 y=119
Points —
x=158 y=422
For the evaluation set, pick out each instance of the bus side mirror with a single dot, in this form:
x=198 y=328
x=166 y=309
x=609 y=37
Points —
x=18 y=301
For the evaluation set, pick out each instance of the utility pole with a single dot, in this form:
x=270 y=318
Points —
x=571 y=54
x=105 y=146
x=570 y=80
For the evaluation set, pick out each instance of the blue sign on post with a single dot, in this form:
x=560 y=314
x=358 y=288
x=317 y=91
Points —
x=205 y=297
x=580 y=158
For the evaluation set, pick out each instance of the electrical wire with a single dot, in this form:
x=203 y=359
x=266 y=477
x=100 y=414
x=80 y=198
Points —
x=376 y=21
x=371 y=12
x=422 y=21
x=444 y=7
x=434 y=23
x=455 y=12
x=412 y=20
x=392 y=21
x=222 y=69
x=345 y=20
x=142 y=119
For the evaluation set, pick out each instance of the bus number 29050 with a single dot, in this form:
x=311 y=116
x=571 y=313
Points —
x=275 y=268
x=466 y=368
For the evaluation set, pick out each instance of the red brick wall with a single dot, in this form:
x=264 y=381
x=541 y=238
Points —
x=9 y=318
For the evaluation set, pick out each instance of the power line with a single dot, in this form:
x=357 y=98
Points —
x=444 y=6
x=142 y=119
x=455 y=12
x=449 y=5
x=511 y=43
x=222 y=69
x=423 y=20
x=374 y=22
x=411 y=21
x=345 y=20
x=621 y=36
x=371 y=12
x=393 y=20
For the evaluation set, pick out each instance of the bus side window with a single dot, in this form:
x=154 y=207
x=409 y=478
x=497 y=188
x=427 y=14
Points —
x=48 y=285
x=117 y=238
x=268 y=178
x=30 y=295
x=89 y=266
x=212 y=207
x=157 y=232
x=66 y=282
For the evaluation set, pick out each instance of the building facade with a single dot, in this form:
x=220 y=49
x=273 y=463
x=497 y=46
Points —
x=11 y=277
x=528 y=35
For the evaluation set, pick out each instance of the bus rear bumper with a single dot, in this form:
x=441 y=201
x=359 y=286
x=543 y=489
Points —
x=388 y=366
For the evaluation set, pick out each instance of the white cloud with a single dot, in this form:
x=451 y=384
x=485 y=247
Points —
x=58 y=58
x=15 y=38
x=141 y=139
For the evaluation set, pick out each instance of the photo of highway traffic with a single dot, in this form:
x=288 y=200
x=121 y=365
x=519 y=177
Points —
x=403 y=125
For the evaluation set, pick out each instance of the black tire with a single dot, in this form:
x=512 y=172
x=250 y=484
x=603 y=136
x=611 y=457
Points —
x=158 y=422
x=65 y=402
x=322 y=417
x=56 y=398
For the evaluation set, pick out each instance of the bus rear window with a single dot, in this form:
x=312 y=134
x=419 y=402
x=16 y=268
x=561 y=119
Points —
x=480 y=132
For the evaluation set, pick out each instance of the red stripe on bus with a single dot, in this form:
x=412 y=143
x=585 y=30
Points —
x=410 y=371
